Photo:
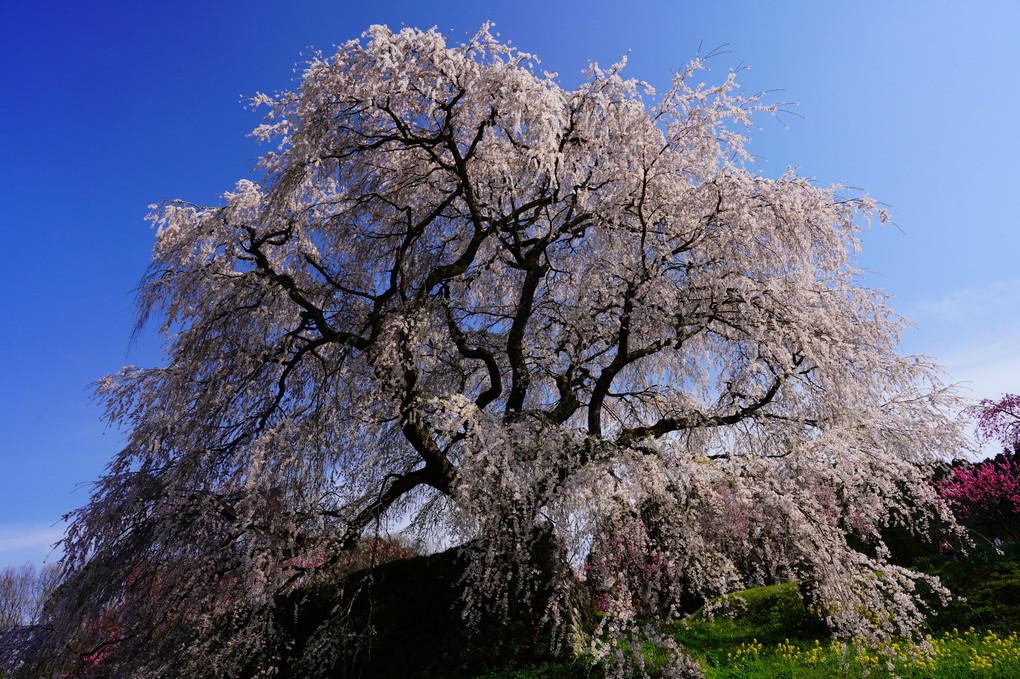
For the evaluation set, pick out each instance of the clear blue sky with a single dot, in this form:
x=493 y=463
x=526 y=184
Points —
x=110 y=106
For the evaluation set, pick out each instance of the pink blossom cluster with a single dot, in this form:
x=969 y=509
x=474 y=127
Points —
x=988 y=486
x=631 y=569
x=110 y=630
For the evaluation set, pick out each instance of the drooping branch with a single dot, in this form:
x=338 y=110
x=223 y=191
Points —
x=438 y=471
x=397 y=488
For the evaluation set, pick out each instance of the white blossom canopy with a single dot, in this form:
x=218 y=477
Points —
x=463 y=296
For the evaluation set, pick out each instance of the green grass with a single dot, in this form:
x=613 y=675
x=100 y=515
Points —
x=953 y=655
x=991 y=585
x=772 y=636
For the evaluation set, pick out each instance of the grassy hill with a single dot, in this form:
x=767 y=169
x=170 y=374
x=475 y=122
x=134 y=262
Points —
x=991 y=585
x=773 y=635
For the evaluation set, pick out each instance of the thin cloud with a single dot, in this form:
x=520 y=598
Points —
x=994 y=299
x=974 y=333
x=20 y=543
x=987 y=367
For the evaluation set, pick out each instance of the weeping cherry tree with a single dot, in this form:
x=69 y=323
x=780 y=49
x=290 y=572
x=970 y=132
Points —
x=462 y=299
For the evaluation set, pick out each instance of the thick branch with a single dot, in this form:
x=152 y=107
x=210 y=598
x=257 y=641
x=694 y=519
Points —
x=622 y=358
x=289 y=286
x=670 y=424
x=479 y=354
x=520 y=376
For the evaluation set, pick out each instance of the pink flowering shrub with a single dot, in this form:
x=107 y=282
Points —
x=646 y=573
x=989 y=490
x=984 y=486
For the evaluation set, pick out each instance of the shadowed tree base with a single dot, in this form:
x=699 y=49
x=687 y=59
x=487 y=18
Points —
x=404 y=618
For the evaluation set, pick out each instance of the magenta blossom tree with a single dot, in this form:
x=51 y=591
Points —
x=989 y=490
x=461 y=296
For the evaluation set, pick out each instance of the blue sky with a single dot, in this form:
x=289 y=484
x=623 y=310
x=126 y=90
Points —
x=108 y=107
